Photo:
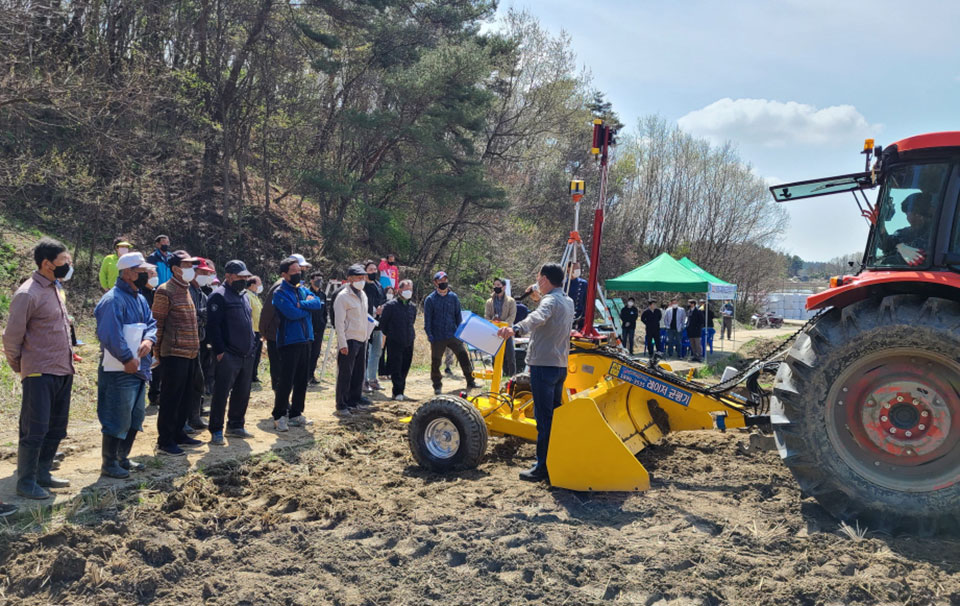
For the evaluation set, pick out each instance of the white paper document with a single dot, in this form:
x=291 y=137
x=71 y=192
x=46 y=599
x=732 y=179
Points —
x=133 y=335
x=480 y=334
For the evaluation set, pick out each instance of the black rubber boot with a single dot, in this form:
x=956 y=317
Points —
x=125 y=447
x=28 y=460
x=48 y=453
x=111 y=459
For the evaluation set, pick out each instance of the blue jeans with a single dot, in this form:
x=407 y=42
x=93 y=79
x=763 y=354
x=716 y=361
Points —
x=546 y=385
x=120 y=402
x=374 y=349
x=673 y=342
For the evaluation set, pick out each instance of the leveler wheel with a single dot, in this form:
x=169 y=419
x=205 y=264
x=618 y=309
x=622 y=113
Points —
x=866 y=413
x=447 y=433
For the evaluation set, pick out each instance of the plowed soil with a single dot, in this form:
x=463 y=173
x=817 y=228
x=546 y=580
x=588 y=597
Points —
x=350 y=520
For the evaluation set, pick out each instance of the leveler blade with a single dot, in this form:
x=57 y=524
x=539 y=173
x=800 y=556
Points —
x=586 y=453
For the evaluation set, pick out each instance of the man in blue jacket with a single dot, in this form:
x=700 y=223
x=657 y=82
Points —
x=121 y=393
x=230 y=326
x=293 y=304
x=441 y=317
x=577 y=290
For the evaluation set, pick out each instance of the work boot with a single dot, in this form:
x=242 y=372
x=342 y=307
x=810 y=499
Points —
x=48 y=453
x=110 y=453
x=125 y=447
x=534 y=474
x=28 y=461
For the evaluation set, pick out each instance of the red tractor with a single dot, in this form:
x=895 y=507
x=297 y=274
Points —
x=866 y=406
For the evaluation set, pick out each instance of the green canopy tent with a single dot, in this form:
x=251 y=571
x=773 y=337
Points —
x=664 y=273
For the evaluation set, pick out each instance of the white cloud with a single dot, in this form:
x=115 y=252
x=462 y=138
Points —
x=776 y=124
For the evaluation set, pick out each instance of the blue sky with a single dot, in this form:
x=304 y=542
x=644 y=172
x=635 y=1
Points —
x=795 y=84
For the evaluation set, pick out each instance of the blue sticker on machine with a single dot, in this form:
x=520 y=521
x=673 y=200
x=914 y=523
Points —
x=645 y=381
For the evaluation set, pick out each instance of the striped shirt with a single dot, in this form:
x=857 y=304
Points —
x=176 y=315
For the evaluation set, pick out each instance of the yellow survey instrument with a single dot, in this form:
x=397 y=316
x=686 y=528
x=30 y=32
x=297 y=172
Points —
x=613 y=407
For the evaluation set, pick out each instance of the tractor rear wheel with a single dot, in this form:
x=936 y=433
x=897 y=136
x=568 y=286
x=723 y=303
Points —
x=866 y=413
x=447 y=433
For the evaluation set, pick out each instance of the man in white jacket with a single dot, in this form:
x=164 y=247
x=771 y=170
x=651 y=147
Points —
x=352 y=325
x=673 y=320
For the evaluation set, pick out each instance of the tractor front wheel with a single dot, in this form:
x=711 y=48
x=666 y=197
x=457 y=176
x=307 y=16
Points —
x=866 y=413
x=447 y=433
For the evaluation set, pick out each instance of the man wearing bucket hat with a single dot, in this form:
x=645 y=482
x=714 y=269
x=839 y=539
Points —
x=121 y=392
x=230 y=325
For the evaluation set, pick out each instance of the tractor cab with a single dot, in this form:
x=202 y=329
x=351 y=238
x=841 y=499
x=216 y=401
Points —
x=914 y=242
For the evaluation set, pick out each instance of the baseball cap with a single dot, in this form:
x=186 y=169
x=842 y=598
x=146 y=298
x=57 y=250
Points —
x=237 y=267
x=204 y=265
x=301 y=261
x=124 y=244
x=133 y=259
x=179 y=256
x=356 y=270
x=439 y=275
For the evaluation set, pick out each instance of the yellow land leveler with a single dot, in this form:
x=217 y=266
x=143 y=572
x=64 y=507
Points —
x=613 y=407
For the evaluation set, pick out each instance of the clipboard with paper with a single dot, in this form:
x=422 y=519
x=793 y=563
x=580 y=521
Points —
x=133 y=335
x=479 y=333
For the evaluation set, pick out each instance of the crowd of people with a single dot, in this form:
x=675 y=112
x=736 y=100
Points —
x=177 y=338
x=672 y=320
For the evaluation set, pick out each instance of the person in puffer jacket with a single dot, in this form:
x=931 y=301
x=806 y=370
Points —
x=292 y=304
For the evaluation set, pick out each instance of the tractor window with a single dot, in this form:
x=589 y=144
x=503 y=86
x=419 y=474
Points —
x=906 y=221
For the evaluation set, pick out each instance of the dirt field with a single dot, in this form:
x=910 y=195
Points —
x=341 y=515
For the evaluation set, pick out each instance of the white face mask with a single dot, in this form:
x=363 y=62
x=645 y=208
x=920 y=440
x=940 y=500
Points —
x=389 y=297
x=122 y=251
x=258 y=289
x=576 y=273
x=204 y=280
x=69 y=274
x=629 y=303
x=406 y=294
x=357 y=285
x=154 y=281
x=188 y=274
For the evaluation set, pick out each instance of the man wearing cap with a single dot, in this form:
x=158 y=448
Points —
x=441 y=317
x=108 y=268
x=230 y=324
x=292 y=304
x=36 y=342
x=120 y=393
x=352 y=325
x=178 y=345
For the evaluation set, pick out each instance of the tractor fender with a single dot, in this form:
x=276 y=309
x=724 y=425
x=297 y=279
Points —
x=851 y=289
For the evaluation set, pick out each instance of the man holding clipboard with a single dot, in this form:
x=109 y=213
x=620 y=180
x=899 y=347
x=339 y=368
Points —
x=549 y=330
x=127 y=332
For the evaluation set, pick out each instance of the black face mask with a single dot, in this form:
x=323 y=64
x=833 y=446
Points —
x=442 y=286
x=60 y=271
x=238 y=286
x=497 y=289
x=164 y=247
x=317 y=284
x=391 y=262
x=295 y=279
x=373 y=276
x=141 y=281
